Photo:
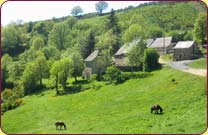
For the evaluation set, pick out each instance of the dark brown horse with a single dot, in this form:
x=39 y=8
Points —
x=60 y=124
x=157 y=109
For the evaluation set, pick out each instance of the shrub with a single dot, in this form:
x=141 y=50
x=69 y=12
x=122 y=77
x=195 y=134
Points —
x=7 y=93
x=113 y=74
x=11 y=100
x=151 y=58
x=17 y=103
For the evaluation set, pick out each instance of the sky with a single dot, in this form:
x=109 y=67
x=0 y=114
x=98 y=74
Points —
x=42 y=10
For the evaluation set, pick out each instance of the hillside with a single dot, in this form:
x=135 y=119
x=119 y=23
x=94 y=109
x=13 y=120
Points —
x=123 y=108
x=46 y=77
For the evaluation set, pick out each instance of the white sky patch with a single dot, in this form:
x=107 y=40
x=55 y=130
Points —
x=42 y=10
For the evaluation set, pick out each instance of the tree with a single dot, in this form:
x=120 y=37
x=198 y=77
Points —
x=200 y=29
x=29 y=79
x=58 y=36
x=41 y=69
x=155 y=32
x=100 y=6
x=11 y=41
x=76 y=11
x=6 y=61
x=108 y=41
x=66 y=67
x=51 y=52
x=87 y=43
x=133 y=32
x=151 y=58
x=61 y=70
x=34 y=73
x=54 y=71
x=135 y=55
x=78 y=65
x=71 y=21
x=113 y=74
x=113 y=23
x=103 y=61
x=37 y=43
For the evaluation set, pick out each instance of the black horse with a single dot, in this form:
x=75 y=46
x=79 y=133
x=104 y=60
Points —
x=60 y=124
x=157 y=109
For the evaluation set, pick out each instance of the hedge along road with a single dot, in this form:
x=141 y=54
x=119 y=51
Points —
x=183 y=66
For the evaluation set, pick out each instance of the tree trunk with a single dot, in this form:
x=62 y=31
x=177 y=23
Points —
x=57 y=92
x=64 y=81
x=41 y=84
x=75 y=78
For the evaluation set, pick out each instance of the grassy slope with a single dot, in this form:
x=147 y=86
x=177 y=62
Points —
x=200 y=63
x=121 y=108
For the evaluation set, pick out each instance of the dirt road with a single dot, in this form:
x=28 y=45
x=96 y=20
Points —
x=183 y=66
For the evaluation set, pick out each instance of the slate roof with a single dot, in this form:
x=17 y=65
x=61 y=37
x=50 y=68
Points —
x=159 y=42
x=127 y=47
x=184 y=44
x=149 y=42
x=92 y=56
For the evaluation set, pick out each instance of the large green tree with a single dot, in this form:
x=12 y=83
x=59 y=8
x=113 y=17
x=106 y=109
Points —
x=37 y=43
x=58 y=35
x=135 y=55
x=76 y=11
x=11 y=41
x=78 y=65
x=133 y=32
x=33 y=75
x=61 y=70
x=100 y=6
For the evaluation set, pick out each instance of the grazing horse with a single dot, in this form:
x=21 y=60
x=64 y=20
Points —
x=60 y=124
x=157 y=108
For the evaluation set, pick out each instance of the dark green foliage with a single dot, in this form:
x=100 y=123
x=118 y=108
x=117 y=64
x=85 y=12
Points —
x=177 y=35
x=113 y=25
x=151 y=58
x=87 y=43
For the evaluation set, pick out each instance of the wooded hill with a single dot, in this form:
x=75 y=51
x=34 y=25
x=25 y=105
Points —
x=39 y=50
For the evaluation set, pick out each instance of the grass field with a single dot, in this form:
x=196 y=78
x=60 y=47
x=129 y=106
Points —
x=167 y=57
x=123 y=108
x=200 y=63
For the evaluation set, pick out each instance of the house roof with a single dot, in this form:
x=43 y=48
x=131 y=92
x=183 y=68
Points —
x=127 y=47
x=149 y=42
x=159 y=42
x=92 y=56
x=184 y=44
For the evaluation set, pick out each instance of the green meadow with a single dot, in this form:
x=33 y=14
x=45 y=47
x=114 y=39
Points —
x=123 y=108
x=200 y=63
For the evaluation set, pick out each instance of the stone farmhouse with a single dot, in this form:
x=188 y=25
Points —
x=163 y=45
x=120 y=57
x=185 y=50
x=91 y=64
